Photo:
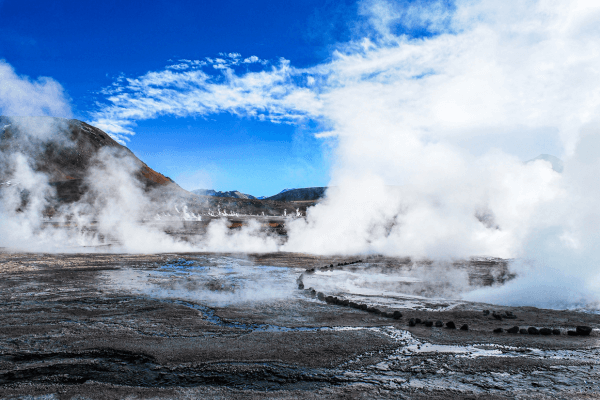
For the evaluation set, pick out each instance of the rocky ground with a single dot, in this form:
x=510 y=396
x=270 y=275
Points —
x=136 y=326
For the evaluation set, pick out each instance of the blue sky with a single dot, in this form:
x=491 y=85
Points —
x=86 y=46
x=261 y=96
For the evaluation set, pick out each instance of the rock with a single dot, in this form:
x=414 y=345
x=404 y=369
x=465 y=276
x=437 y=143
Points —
x=450 y=325
x=497 y=316
x=498 y=330
x=418 y=320
x=486 y=312
x=310 y=271
x=556 y=331
x=439 y=324
x=386 y=314
x=546 y=331
x=353 y=304
x=514 y=329
x=329 y=299
x=412 y=322
x=331 y=266
x=363 y=307
x=345 y=303
x=583 y=330
x=300 y=285
x=532 y=331
x=320 y=296
x=374 y=310
x=428 y=324
x=465 y=327
x=572 y=333
x=509 y=315
x=523 y=331
x=397 y=315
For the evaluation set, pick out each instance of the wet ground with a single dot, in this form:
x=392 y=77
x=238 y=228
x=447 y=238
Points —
x=239 y=326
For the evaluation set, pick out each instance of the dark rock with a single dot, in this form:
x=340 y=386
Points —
x=572 y=333
x=465 y=327
x=533 y=331
x=320 y=296
x=363 y=307
x=439 y=324
x=428 y=324
x=386 y=314
x=353 y=304
x=374 y=310
x=450 y=325
x=546 y=331
x=412 y=322
x=498 y=330
x=486 y=312
x=523 y=331
x=397 y=315
x=311 y=270
x=329 y=299
x=583 y=330
x=331 y=266
x=556 y=331
x=497 y=316
x=301 y=286
x=418 y=320
x=345 y=303
x=514 y=329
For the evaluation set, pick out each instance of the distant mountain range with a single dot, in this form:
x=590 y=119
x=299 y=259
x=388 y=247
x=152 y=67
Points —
x=286 y=195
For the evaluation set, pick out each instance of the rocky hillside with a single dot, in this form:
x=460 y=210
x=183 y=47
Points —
x=304 y=194
x=65 y=149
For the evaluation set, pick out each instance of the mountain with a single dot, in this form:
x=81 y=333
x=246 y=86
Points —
x=65 y=149
x=233 y=193
x=304 y=194
x=557 y=163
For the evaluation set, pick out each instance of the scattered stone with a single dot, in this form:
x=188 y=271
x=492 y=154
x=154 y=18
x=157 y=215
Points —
x=572 y=333
x=450 y=325
x=546 y=331
x=465 y=327
x=320 y=296
x=514 y=329
x=583 y=330
x=486 y=312
x=439 y=324
x=523 y=331
x=556 y=331
x=412 y=322
x=498 y=330
x=418 y=320
x=428 y=324
x=397 y=315
x=509 y=315
x=533 y=331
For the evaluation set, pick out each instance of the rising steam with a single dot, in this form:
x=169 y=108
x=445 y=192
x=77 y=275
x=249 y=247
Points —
x=432 y=137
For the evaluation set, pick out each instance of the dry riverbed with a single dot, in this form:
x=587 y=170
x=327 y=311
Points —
x=239 y=326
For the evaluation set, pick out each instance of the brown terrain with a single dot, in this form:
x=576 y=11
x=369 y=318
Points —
x=104 y=326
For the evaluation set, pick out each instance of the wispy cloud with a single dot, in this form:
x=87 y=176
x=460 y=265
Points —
x=203 y=87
